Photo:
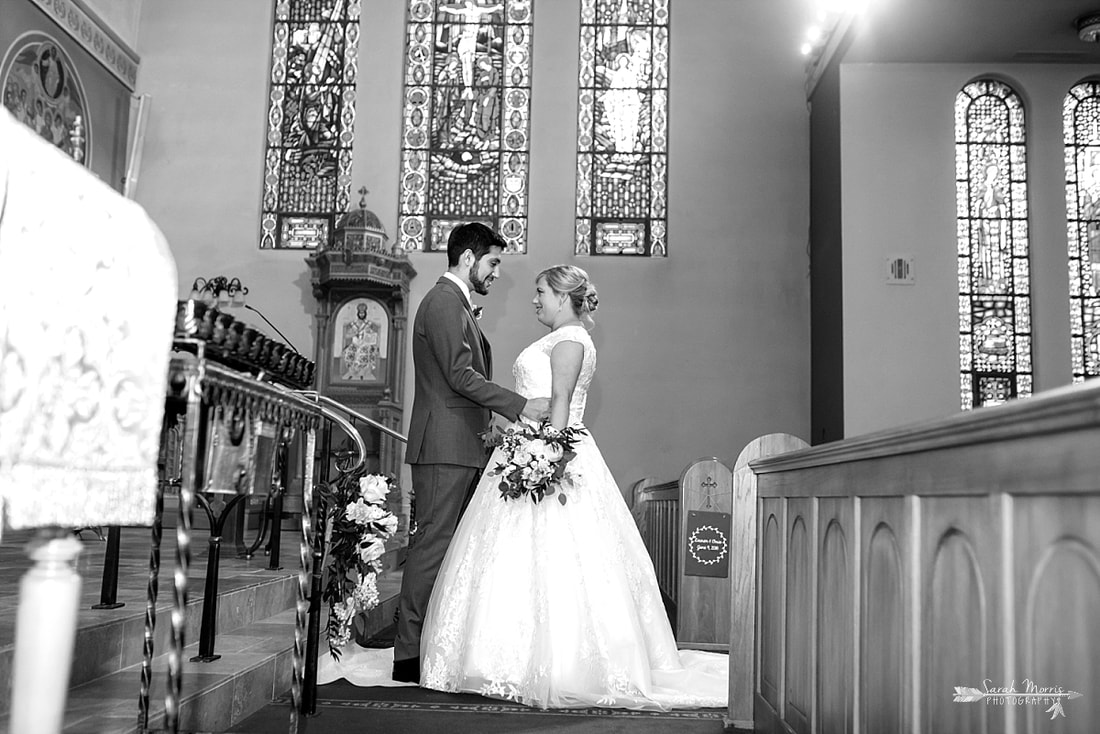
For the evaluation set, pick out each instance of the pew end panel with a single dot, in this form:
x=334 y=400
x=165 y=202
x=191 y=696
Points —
x=745 y=672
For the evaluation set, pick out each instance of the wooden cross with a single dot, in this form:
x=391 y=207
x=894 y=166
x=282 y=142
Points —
x=709 y=484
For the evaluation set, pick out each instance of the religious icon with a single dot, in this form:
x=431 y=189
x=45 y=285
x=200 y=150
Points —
x=623 y=69
x=51 y=73
x=360 y=346
x=623 y=103
x=466 y=30
x=42 y=91
x=993 y=239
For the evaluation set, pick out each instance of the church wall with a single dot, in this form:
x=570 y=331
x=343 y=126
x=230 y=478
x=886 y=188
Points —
x=901 y=354
x=699 y=353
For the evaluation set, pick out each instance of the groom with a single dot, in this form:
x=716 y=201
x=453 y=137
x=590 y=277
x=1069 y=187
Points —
x=451 y=407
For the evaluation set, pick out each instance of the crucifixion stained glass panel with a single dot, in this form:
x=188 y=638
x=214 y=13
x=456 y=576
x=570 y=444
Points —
x=465 y=142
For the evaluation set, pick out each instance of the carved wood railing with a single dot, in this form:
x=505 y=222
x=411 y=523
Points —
x=897 y=568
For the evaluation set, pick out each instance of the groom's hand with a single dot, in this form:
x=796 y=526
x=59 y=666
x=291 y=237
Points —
x=536 y=409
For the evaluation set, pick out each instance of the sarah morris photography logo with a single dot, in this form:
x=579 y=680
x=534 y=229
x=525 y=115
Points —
x=1032 y=694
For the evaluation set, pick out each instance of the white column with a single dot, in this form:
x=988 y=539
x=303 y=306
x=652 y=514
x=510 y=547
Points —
x=45 y=629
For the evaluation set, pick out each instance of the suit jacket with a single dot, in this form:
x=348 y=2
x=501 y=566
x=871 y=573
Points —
x=454 y=397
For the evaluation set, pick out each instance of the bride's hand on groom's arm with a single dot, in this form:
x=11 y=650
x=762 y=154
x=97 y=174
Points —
x=536 y=409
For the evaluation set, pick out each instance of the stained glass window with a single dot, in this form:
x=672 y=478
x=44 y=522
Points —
x=310 y=121
x=992 y=234
x=465 y=143
x=622 y=136
x=1081 y=123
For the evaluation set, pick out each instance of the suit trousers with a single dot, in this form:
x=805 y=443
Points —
x=442 y=492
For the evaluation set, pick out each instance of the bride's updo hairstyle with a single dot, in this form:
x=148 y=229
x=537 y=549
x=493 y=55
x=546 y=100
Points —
x=571 y=281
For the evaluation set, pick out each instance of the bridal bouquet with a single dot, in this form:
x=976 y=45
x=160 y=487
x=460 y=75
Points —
x=357 y=529
x=535 y=459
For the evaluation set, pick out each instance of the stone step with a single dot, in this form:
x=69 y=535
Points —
x=255 y=669
x=110 y=640
x=255 y=666
x=254 y=636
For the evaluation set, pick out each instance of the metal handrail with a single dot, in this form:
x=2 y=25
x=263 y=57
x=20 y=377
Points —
x=334 y=404
x=326 y=406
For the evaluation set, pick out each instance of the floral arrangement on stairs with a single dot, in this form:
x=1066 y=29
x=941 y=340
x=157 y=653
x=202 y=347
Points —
x=357 y=526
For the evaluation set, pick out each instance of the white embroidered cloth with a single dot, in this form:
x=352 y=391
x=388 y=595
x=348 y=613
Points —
x=87 y=305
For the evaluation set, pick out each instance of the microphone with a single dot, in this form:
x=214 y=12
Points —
x=273 y=326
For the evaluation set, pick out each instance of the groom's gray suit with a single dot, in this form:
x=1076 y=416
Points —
x=452 y=404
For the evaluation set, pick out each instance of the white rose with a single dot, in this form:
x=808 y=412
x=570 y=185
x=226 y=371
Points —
x=388 y=524
x=374 y=488
x=371 y=549
x=362 y=513
x=357 y=511
x=521 y=456
x=537 y=448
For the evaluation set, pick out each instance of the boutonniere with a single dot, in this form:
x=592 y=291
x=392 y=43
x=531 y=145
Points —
x=477 y=311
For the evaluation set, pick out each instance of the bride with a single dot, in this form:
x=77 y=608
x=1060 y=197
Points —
x=557 y=605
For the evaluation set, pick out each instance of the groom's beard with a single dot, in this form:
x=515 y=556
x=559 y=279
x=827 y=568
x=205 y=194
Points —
x=480 y=285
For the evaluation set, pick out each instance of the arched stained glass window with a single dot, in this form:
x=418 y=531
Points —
x=310 y=121
x=1081 y=122
x=992 y=233
x=622 y=136
x=465 y=143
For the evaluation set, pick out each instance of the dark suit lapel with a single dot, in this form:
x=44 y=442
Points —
x=486 y=351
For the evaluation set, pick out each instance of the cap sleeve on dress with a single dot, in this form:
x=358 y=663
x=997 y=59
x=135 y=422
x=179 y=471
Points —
x=568 y=334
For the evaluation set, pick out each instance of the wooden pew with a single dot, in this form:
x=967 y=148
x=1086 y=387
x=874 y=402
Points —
x=656 y=510
x=898 y=570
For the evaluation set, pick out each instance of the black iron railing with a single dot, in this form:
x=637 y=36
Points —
x=347 y=419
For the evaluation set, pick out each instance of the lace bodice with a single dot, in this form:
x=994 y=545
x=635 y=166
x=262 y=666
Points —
x=532 y=368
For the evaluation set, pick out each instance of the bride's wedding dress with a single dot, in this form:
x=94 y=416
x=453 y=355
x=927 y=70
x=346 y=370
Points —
x=557 y=605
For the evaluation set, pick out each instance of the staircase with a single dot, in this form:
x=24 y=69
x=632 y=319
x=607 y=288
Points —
x=255 y=632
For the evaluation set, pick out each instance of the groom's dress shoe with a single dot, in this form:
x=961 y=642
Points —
x=407 y=671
